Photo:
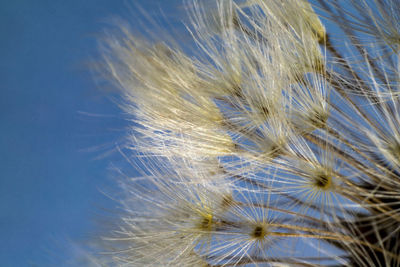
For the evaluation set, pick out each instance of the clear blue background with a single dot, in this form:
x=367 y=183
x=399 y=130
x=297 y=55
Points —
x=58 y=130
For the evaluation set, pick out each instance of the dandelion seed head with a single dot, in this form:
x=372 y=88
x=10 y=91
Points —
x=268 y=147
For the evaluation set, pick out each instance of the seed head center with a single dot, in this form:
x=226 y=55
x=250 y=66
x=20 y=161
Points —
x=322 y=181
x=206 y=222
x=259 y=232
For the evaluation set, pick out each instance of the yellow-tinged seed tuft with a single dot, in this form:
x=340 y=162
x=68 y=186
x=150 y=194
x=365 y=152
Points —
x=322 y=181
x=206 y=223
x=259 y=232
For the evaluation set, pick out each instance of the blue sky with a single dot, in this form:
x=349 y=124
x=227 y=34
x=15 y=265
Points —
x=58 y=130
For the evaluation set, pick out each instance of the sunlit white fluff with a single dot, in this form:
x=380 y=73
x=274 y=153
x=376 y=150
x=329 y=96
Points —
x=269 y=139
